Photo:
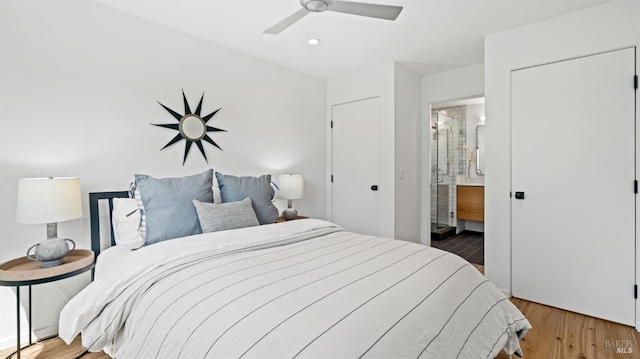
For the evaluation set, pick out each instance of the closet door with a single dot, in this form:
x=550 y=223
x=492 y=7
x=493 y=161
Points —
x=573 y=171
x=356 y=169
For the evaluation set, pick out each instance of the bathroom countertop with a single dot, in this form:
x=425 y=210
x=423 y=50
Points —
x=470 y=184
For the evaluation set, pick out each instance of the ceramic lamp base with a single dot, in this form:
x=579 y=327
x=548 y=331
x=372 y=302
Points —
x=289 y=214
x=47 y=264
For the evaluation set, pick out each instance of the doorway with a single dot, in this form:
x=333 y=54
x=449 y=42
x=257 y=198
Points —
x=454 y=165
x=454 y=153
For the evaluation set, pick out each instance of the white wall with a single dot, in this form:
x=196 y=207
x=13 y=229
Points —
x=407 y=154
x=376 y=82
x=464 y=83
x=606 y=27
x=398 y=90
x=78 y=89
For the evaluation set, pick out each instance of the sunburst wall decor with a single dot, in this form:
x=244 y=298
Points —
x=191 y=127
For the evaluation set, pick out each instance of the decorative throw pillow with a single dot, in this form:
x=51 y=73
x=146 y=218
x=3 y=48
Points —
x=168 y=207
x=222 y=216
x=126 y=221
x=259 y=189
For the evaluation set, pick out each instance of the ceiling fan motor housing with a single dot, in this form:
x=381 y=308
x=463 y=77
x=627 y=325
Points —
x=316 y=5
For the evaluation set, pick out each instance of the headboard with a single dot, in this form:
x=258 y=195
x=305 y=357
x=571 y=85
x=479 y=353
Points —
x=94 y=199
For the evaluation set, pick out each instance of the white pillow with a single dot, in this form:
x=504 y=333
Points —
x=126 y=222
x=216 y=195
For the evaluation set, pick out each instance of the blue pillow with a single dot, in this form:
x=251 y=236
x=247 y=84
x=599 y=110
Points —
x=168 y=204
x=259 y=189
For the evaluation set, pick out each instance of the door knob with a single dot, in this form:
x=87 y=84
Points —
x=374 y=187
x=519 y=195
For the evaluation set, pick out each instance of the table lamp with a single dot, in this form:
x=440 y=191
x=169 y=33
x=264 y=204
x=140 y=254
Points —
x=291 y=187
x=49 y=200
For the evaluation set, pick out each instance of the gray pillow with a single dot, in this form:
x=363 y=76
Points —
x=168 y=206
x=222 y=216
x=233 y=189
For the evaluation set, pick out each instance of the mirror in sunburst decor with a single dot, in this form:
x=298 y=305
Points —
x=191 y=127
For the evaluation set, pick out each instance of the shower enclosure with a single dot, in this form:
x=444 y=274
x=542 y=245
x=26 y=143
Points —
x=442 y=176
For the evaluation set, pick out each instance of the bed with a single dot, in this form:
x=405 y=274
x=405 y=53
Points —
x=299 y=289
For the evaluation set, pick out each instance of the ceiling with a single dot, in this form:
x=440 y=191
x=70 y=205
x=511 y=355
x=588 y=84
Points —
x=429 y=36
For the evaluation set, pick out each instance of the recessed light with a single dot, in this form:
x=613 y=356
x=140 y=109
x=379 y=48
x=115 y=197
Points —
x=313 y=41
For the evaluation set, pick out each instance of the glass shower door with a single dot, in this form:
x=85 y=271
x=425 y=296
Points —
x=441 y=159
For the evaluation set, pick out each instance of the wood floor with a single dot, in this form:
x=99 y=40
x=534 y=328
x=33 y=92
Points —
x=562 y=334
x=556 y=333
x=54 y=348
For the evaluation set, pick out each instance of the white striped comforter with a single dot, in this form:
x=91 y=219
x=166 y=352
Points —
x=300 y=289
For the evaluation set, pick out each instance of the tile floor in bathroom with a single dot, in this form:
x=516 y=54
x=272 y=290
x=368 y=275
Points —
x=467 y=244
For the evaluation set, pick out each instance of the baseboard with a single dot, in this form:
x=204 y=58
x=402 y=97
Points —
x=46 y=332
x=10 y=342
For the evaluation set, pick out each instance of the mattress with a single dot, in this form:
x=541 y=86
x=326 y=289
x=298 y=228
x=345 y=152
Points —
x=299 y=289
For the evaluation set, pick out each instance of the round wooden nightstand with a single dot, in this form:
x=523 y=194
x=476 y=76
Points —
x=280 y=219
x=25 y=272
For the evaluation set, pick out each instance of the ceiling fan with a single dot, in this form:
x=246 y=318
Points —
x=387 y=12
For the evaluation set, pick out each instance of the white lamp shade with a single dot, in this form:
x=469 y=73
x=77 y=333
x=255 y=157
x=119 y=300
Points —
x=48 y=200
x=291 y=186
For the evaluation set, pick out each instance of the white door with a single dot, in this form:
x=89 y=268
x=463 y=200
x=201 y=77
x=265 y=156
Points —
x=573 y=158
x=355 y=166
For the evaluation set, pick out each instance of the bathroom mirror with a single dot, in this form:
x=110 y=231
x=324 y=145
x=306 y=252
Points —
x=480 y=150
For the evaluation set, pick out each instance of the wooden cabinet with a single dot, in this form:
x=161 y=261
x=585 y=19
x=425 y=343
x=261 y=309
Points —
x=470 y=202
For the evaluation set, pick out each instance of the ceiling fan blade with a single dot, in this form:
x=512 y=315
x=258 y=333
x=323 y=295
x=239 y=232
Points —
x=387 y=12
x=277 y=28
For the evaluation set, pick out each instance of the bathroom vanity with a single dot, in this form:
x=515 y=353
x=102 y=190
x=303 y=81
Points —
x=470 y=202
